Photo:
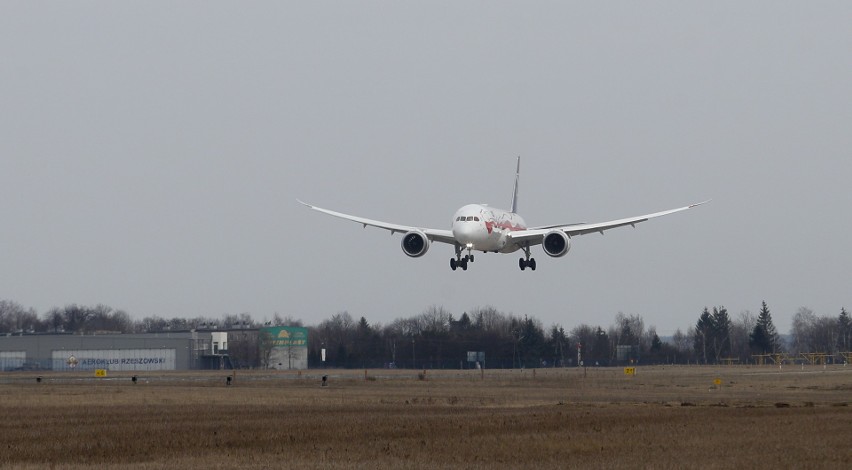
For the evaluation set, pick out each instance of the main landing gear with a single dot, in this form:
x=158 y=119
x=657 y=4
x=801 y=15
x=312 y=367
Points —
x=528 y=262
x=459 y=261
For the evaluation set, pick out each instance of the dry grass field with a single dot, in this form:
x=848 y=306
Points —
x=663 y=417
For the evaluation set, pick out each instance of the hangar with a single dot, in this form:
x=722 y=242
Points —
x=180 y=350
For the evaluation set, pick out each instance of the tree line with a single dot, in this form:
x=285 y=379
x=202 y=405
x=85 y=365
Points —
x=437 y=338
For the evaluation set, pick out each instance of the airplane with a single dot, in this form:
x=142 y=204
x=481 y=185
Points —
x=479 y=227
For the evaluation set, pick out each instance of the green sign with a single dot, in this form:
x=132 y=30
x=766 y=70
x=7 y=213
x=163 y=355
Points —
x=286 y=336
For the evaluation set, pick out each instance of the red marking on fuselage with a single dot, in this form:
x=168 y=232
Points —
x=510 y=227
x=502 y=223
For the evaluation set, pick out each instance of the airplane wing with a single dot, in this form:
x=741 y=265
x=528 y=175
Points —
x=435 y=235
x=535 y=235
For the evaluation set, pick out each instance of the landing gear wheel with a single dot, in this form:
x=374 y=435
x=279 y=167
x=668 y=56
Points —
x=527 y=262
x=464 y=265
x=471 y=258
x=453 y=265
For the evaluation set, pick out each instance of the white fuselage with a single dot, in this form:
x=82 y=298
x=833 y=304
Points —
x=482 y=228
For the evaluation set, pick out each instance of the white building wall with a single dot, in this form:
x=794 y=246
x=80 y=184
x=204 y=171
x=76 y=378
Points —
x=218 y=342
x=11 y=360
x=289 y=358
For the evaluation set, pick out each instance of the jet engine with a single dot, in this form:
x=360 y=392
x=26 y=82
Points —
x=556 y=243
x=415 y=244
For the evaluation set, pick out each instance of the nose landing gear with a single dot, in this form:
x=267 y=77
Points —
x=459 y=261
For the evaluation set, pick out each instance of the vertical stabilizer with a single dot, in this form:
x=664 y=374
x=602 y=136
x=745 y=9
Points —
x=515 y=192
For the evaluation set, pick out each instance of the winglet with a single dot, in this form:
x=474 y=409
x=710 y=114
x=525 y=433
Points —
x=515 y=192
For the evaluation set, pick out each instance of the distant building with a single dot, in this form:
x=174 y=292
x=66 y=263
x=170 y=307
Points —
x=179 y=350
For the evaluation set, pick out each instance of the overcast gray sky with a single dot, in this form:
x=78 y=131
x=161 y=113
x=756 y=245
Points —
x=151 y=154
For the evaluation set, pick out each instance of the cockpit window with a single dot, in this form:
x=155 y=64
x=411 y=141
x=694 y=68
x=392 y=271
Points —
x=476 y=219
x=470 y=218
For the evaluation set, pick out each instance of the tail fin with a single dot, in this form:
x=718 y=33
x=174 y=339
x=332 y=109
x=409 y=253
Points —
x=515 y=192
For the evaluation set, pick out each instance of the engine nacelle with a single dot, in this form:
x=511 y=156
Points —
x=555 y=243
x=415 y=244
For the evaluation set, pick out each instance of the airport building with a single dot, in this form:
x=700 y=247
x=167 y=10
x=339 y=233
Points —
x=181 y=350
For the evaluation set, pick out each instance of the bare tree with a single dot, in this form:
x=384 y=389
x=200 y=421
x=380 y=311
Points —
x=14 y=318
x=435 y=319
x=245 y=350
x=629 y=330
x=488 y=319
x=55 y=320
x=337 y=336
x=230 y=321
x=824 y=335
x=153 y=324
x=287 y=320
x=803 y=322
x=741 y=328
x=121 y=321
x=99 y=318
x=266 y=343
x=681 y=344
x=76 y=318
x=747 y=320
x=815 y=334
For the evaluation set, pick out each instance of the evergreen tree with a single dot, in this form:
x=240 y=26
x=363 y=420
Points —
x=557 y=343
x=463 y=324
x=658 y=352
x=844 y=327
x=366 y=350
x=703 y=334
x=721 y=333
x=771 y=332
x=656 y=344
x=600 y=350
x=764 y=338
x=713 y=334
x=758 y=341
x=530 y=342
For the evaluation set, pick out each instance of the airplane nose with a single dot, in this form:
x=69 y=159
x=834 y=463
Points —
x=464 y=232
